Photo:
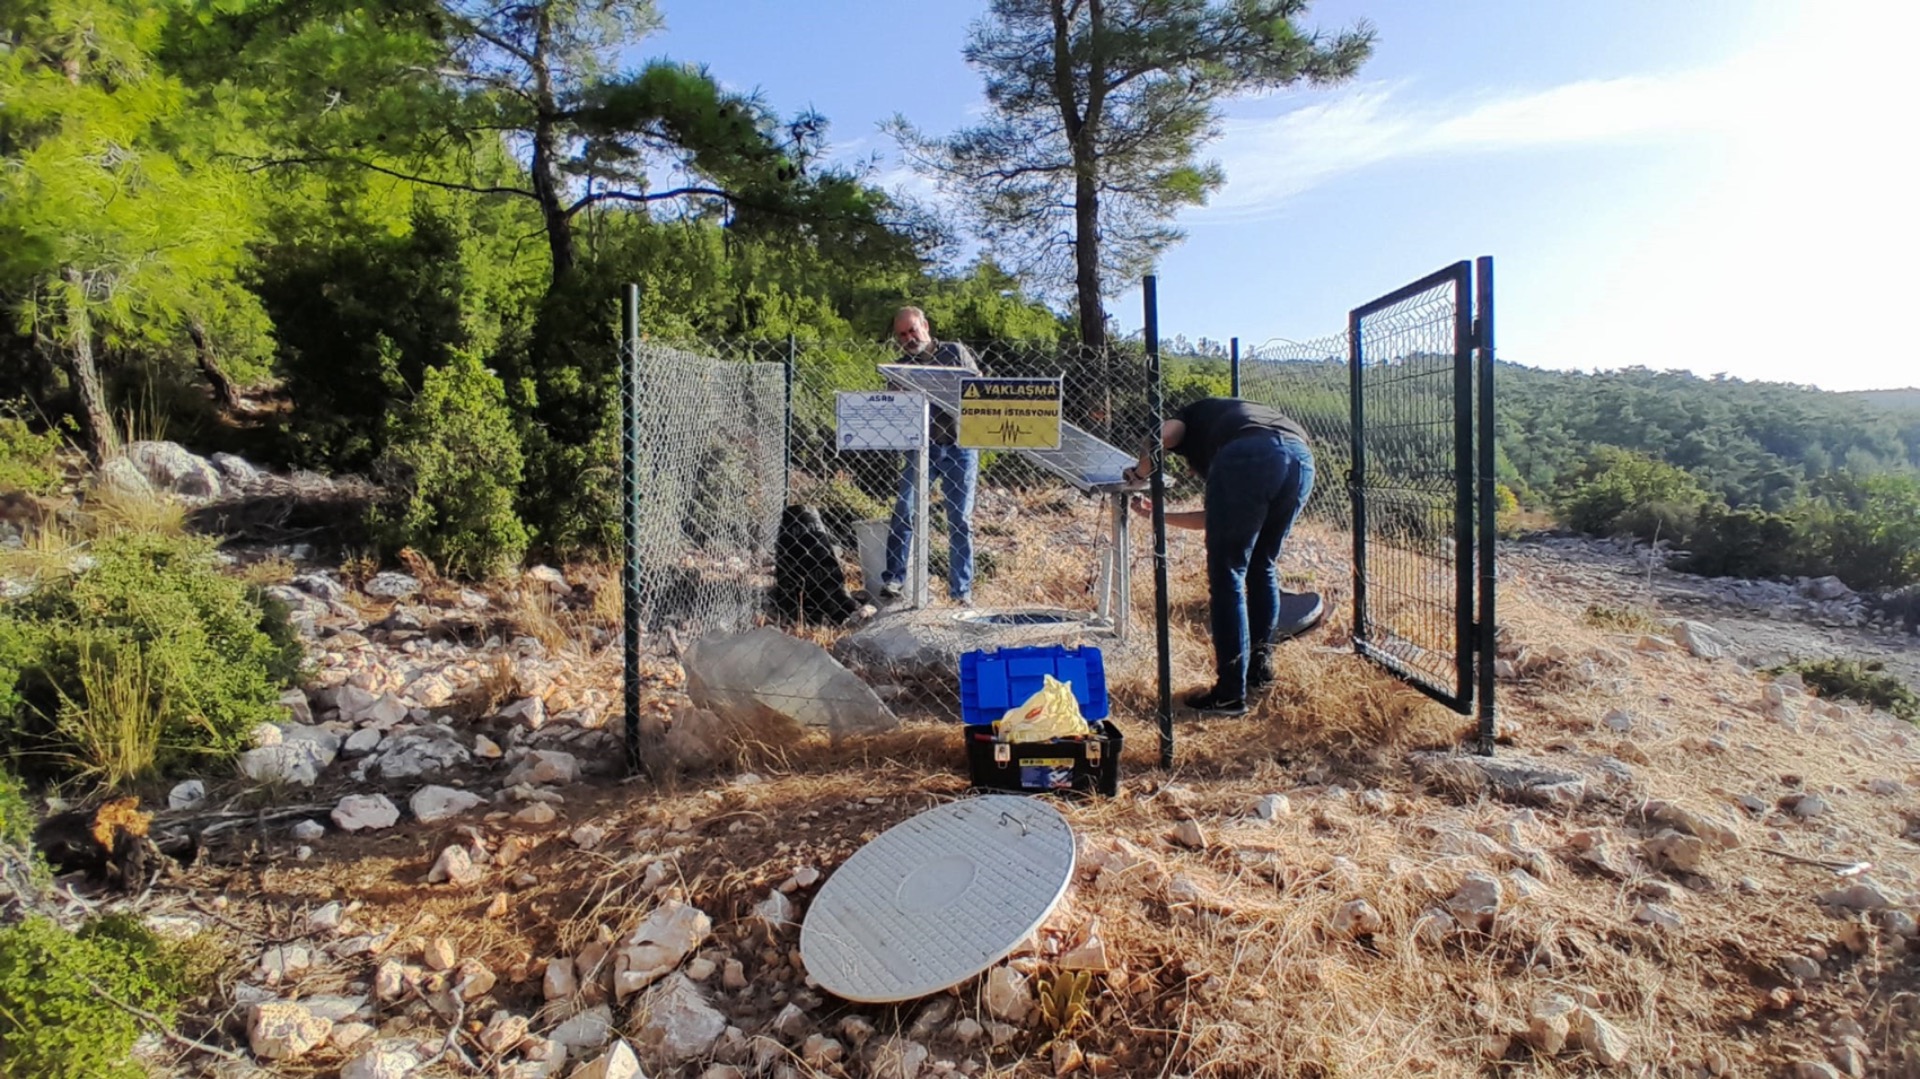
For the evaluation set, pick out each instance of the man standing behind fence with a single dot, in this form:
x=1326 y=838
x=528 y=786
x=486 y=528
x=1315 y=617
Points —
x=1258 y=473
x=957 y=470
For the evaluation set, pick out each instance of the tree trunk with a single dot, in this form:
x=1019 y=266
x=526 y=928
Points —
x=1086 y=260
x=102 y=442
x=546 y=187
x=223 y=387
x=546 y=179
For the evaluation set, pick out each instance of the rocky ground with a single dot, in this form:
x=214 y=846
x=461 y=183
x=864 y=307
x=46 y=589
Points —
x=1675 y=865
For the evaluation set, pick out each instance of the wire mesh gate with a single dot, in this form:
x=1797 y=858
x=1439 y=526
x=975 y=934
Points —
x=1421 y=370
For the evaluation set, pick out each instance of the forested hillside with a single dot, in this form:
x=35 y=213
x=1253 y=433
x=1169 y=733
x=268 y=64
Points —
x=1752 y=443
x=1754 y=478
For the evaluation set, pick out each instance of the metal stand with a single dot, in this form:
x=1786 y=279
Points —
x=917 y=556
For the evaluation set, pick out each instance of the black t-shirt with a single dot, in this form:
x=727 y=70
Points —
x=1212 y=422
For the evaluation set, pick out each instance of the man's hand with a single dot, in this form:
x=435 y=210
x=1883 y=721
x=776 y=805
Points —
x=1142 y=505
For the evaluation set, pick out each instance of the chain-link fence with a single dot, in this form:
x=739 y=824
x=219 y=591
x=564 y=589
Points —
x=1310 y=382
x=708 y=474
x=1020 y=545
x=814 y=485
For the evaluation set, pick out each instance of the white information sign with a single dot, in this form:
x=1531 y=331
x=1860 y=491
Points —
x=888 y=420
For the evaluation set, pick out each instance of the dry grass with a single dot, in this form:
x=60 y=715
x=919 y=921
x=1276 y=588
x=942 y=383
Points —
x=118 y=510
x=1226 y=960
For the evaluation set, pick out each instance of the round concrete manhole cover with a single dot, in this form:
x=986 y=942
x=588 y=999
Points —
x=937 y=898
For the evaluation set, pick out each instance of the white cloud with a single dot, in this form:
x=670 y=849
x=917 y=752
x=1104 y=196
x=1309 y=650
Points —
x=1271 y=159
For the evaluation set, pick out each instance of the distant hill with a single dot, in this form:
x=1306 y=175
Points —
x=1903 y=400
x=1753 y=443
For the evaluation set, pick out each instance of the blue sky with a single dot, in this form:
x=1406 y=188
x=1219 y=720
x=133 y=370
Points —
x=1698 y=184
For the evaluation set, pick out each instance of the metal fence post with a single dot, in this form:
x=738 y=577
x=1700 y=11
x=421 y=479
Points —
x=630 y=526
x=1483 y=337
x=1157 y=405
x=786 y=438
x=1233 y=359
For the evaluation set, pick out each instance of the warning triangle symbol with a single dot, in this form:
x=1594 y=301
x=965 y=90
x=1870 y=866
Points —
x=972 y=390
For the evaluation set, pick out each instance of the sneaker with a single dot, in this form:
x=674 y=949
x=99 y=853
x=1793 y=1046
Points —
x=1212 y=702
x=963 y=601
x=1259 y=681
x=890 y=589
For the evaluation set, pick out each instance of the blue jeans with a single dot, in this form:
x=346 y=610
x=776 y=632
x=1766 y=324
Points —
x=1255 y=489
x=957 y=471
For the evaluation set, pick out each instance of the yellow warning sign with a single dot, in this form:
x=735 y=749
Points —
x=1010 y=413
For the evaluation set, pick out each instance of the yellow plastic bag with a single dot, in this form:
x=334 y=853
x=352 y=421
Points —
x=1050 y=713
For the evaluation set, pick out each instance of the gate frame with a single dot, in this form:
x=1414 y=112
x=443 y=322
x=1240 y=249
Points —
x=1474 y=463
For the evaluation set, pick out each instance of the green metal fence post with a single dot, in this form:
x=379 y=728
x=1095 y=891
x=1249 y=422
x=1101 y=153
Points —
x=1157 y=403
x=630 y=526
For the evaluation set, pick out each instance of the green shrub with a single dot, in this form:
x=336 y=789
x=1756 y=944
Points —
x=1866 y=530
x=16 y=815
x=152 y=611
x=1621 y=492
x=457 y=462
x=1866 y=682
x=54 y=1020
x=1627 y=619
x=1742 y=543
x=27 y=460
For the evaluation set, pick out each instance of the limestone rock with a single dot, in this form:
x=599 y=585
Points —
x=431 y=804
x=1804 y=806
x=675 y=1022
x=296 y=762
x=590 y=1029
x=1476 y=903
x=1672 y=851
x=896 y=1058
x=1591 y=1033
x=389 y=1058
x=748 y=676
x=1189 y=834
x=1510 y=778
x=616 y=1063
x=1358 y=918
x=1862 y=895
x=1702 y=640
x=170 y=467
x=1549 y=1024
x=455 y=866
x=536 y=814
x=1009 y=997
x=365 y=811
x=559 y=982
x=545 y=766
x=362 y=742
x=189 y=795
x=391 y=585
x=280 y=1030
x=528 y=712
x=776 y=910
x=658 y=945
x=1272 y=807
x=427 y=751
x=1689 y=821
x=440 y=954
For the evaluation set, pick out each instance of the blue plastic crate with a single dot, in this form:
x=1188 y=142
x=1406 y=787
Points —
x=993 y=681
